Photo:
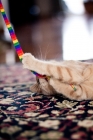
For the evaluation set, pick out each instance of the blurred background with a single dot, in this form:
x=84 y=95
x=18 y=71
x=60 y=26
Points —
x=49 y=29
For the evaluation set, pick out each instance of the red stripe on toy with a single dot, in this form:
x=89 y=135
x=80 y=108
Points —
x=13 y=37
x=1 y=7
x=20 y=52
x=7 y=21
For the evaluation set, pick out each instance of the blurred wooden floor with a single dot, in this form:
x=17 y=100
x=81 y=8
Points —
x=57 y=38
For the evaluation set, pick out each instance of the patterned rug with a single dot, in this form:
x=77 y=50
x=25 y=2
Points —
x=27 y=116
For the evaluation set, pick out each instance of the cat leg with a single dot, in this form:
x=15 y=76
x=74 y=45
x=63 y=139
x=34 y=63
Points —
x=67 y=90
x=56 y=70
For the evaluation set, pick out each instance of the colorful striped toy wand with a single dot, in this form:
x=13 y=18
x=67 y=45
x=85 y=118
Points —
x=12 y=34
x=16 y=43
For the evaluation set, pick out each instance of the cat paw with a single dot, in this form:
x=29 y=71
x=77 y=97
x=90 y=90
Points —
x=27 y=60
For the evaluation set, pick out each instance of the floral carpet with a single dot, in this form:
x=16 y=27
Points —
x=28 y=116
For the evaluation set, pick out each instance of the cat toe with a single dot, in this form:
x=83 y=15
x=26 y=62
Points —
x=28 y=56
x=27 y=60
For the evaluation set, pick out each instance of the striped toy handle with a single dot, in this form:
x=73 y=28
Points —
x=12 y=33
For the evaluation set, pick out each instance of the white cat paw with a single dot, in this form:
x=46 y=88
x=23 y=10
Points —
x=27 y=60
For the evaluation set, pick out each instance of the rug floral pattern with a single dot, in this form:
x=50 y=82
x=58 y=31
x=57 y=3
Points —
x=28 y=116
